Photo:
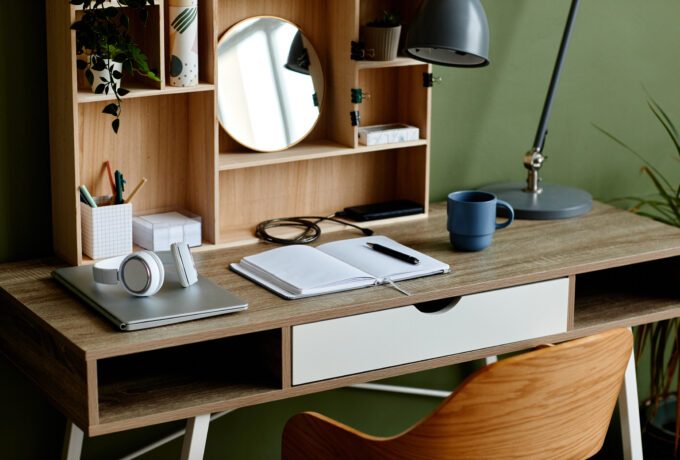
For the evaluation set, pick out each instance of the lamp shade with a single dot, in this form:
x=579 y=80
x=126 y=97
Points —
x=449 y=32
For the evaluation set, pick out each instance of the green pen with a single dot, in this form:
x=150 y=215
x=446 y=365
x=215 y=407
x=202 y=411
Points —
x=120 y=187
x=87 y=196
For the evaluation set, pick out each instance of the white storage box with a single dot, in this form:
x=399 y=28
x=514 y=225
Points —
x=107 y=229
x=157 y=232
x=387 y=134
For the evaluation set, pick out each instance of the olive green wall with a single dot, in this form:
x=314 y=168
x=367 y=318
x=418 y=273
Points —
x=483 y=122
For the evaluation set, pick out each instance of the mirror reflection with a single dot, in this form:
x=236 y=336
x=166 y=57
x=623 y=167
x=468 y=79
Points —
x=270 y=85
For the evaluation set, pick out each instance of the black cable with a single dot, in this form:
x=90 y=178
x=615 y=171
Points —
x=311 y=231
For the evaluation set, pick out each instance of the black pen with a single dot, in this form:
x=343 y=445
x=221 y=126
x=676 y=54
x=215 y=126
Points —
x=393 y=253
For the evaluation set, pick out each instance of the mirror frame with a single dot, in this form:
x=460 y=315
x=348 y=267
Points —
x=217 y=82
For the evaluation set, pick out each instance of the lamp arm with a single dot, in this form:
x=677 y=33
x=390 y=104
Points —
x=557 y=72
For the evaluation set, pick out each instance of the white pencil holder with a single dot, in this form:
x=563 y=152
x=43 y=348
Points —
x=107 y=229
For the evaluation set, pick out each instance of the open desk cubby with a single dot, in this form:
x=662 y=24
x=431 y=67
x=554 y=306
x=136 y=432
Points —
x=171 y=135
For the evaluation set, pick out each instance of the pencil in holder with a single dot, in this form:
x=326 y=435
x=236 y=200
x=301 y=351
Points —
x=107 y=229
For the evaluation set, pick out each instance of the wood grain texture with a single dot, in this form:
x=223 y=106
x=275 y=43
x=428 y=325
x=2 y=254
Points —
x=171 y=136
x=305 y=150
x=343 y=28
x=566 y=247
x=62 y=86
x=605 y=298
x=48 y=360
x=572 y=302
x=175 y=160
x=554 y=403
x=304 y=188
x=173 y=382
x=201 y=173
x=286 y=357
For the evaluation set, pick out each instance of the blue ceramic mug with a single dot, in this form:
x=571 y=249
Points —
x=471 y=218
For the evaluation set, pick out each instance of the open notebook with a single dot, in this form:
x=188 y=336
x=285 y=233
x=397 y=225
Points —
x=302 y=271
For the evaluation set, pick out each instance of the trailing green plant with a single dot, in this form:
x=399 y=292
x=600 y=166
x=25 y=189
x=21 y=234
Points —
x=390 y=18
x=663 y=337
x=103 y=38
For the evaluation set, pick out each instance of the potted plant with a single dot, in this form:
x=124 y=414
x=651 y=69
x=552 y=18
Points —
x=106 y=48
x=661 y=411
x=382 y=36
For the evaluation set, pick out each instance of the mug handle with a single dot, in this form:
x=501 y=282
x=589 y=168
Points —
x=505 y=205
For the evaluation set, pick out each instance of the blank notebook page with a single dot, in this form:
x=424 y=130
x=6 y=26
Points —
x=355 y=252
x=302 y=268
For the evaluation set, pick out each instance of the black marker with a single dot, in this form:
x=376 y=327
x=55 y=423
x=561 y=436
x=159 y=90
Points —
x=393 y=253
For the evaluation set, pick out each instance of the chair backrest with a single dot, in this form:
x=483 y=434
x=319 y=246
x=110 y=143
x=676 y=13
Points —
x=551 y=403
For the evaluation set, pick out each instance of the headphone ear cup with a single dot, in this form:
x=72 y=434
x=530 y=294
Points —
x=184 y=262
x=142 y=273
x=155 y=287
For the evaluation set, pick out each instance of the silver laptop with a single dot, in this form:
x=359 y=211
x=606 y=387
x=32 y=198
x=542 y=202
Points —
x=172 y=304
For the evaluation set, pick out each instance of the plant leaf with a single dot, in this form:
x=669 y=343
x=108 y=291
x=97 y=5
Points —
x=662 y=192
x=100 y=89
x=625 y=146
x=90 y=76
x=666 y=123
x=115 y=124
x=111 y=109
x=123 y=91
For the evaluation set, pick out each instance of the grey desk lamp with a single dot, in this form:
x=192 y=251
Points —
x=456 y=33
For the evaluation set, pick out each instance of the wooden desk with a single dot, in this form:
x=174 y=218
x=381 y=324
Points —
x=107 y=381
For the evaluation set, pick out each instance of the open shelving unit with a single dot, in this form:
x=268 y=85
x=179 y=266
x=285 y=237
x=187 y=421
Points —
x=171 y=135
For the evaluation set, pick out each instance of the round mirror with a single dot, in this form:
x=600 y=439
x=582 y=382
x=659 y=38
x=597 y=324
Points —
x=270 y=85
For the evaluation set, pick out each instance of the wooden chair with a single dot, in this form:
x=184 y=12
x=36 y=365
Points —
x=551 y=403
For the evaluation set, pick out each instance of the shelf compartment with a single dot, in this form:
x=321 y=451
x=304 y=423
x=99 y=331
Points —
x=169 y=140
x=140 y=90
x=389 y=103
x=206 y=44
x=320 y=22
x=174 y=379
x=148 y=37
x=308 y=150
x=318 y=187
x=616 y=297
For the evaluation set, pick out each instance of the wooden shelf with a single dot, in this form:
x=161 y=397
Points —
x=170 y=380
x=139 y=90
x=171 y=135
x=635 y=294
x=398 y=62
x=304 y=151
x=243 y=237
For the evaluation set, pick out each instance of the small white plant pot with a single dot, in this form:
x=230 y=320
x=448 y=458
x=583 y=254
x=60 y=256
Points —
x=99 y=74
x=383 y=41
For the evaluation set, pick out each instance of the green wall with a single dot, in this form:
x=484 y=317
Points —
x=483 y=122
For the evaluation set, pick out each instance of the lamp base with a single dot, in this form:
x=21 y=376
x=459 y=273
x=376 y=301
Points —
x=553 y=202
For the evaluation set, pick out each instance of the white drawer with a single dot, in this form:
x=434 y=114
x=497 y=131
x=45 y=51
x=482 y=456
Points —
x=370 y=341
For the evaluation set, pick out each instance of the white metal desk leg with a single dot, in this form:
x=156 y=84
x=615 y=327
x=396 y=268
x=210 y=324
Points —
x=195 y=437
x=73 y=442
x=629 y=414
x=490 y=359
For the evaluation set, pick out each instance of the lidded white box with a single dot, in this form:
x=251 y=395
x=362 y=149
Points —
x=106 y=230
x=388 y=134
x=157 y=232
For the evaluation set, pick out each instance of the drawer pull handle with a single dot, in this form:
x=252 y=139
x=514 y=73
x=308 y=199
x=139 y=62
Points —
x=438 y=306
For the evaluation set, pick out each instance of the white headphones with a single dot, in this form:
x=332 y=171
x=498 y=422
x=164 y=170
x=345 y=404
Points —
x=141 y=273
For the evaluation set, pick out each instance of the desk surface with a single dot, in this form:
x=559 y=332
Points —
x=40 y=317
